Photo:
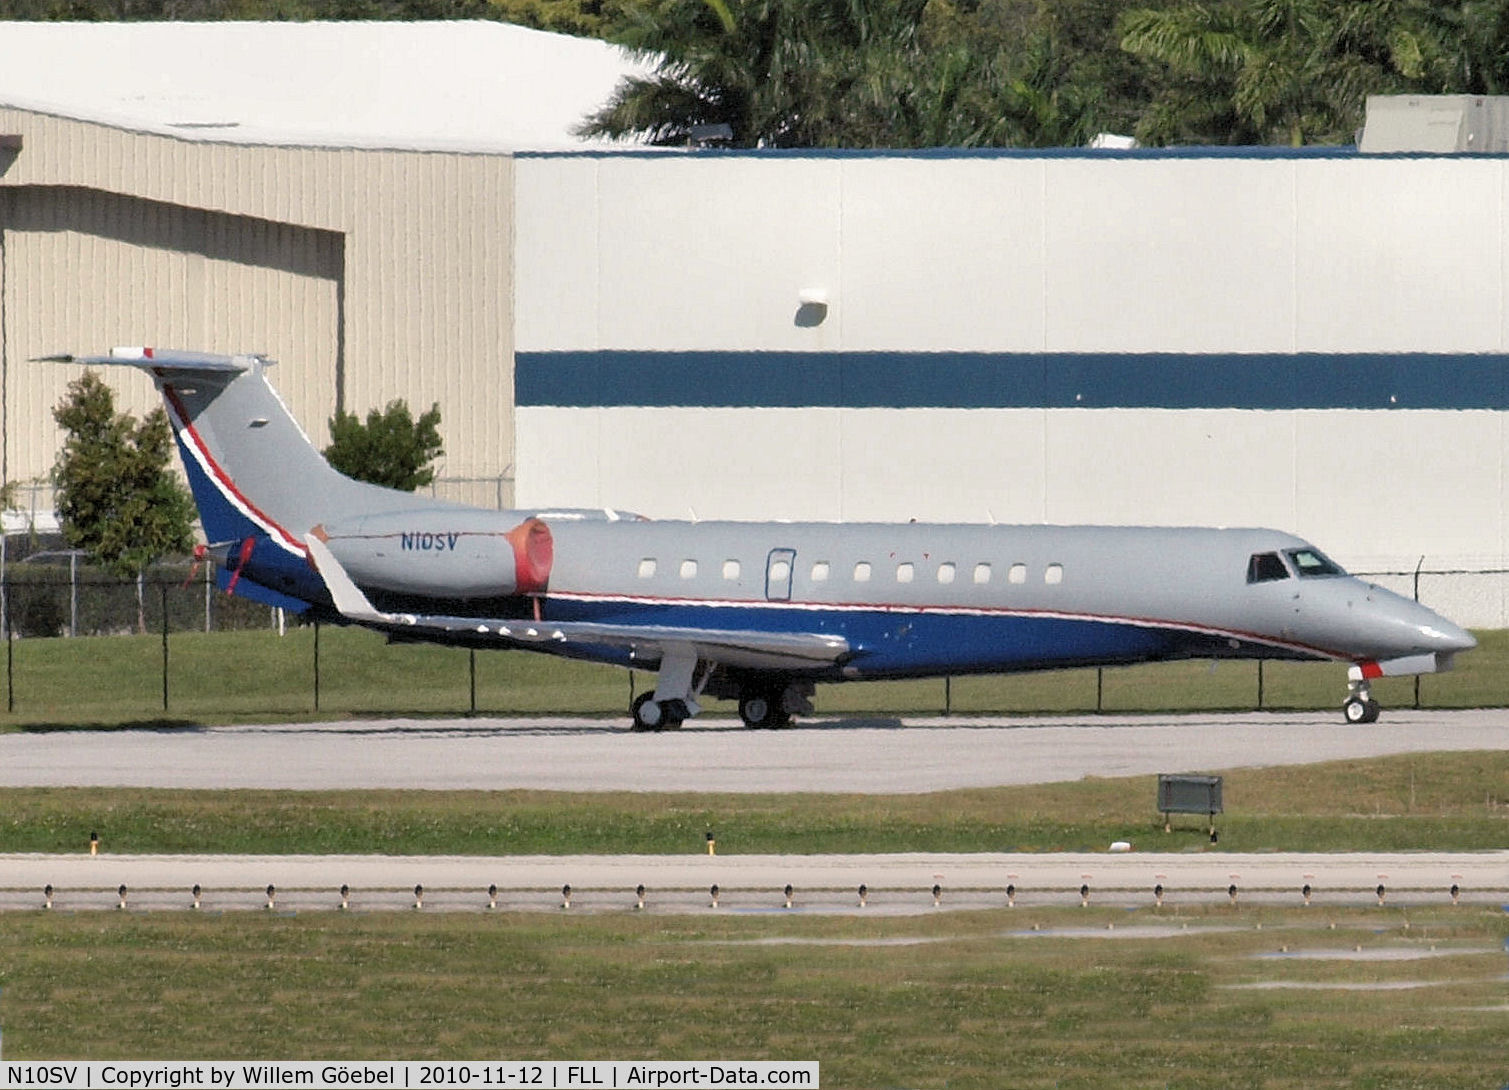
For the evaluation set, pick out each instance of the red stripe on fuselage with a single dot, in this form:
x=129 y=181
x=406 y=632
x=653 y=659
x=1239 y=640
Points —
x=223 y=479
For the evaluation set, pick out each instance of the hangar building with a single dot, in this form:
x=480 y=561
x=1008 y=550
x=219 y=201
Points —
x=1313 y=340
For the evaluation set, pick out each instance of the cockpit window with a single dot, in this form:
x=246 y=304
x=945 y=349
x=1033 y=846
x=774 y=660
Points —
x=1312 y=562
x=1265 y=567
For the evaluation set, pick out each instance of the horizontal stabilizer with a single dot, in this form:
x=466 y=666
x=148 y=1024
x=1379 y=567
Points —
x=163 y=359
x=752 y=649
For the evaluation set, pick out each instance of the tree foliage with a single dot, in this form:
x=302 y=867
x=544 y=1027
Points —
x=390 y=448
x=118 y=499
x=1299 y=71
x=884 y=74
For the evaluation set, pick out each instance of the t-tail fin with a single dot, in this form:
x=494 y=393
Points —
x=256 y=476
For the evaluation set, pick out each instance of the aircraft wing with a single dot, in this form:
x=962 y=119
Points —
x=752 y=649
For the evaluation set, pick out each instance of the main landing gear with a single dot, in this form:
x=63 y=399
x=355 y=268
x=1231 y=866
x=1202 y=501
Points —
x=770 y=706
x=674 y=699
x=652 y=714
x=765 y=702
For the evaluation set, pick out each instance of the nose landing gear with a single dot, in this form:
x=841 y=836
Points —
x=1361 y=708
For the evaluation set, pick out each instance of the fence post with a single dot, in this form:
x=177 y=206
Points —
x=1419 y=564
x=10 y=654
x=471 y=655
x=316 y=665
x=163 y=589
x=1260 y=684
x=1100 y=688
x=948 y=695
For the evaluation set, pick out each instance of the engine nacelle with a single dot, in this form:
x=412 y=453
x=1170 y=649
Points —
x=445 y=554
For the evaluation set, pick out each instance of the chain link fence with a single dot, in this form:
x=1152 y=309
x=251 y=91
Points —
x=231 y=656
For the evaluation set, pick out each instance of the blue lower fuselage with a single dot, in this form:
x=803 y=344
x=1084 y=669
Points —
x=892 y=643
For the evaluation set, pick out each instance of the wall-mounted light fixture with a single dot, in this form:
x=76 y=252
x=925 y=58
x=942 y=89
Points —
x=812 y=307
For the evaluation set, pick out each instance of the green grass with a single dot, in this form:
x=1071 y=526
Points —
x=1440 y=802
x=971 y=1003
x=257 y=675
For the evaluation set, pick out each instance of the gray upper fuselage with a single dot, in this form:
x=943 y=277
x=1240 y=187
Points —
x=1156 y=576
x=1190 y=578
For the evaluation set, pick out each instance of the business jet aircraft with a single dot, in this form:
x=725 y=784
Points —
x=755 y=611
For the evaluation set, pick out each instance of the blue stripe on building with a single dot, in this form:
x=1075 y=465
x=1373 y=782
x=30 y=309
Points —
x=1012 y=380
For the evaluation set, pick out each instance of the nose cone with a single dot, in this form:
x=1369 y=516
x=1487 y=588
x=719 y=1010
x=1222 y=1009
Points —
x=1412 y=629
x=1441 y=635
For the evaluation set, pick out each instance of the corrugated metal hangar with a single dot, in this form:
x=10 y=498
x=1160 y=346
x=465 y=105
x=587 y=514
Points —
x=337 y=195
x=1312 y=340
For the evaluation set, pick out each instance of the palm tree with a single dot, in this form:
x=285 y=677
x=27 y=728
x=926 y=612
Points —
x=1254 y=71
x=809 y=74
x=1297 y=71
x=779 y=73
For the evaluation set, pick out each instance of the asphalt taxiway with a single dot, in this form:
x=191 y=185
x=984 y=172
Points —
x=866 y=755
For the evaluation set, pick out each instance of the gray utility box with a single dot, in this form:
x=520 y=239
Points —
x=1436 y=125
x=1189 y=795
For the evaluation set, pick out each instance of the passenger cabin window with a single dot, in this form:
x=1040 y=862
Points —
x=904 y=572
x=946 y=572
x=688 y=569
x=1053 y=574
x=820 y=572
x=647 y=568
x=862 y=572
x=1312 y=562
x=1265 y=568
x=730 y=569
x=1017 y=574
x=982 y=573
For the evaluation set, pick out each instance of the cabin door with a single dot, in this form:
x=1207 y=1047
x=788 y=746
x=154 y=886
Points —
x=778 y=569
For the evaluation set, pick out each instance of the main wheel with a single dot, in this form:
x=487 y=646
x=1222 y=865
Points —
x=1358 y=710
x=647 y=714
x=754 y=710
x=762 y=711
x=651 y=714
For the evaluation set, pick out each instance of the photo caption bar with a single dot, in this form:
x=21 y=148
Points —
x=407 y=1075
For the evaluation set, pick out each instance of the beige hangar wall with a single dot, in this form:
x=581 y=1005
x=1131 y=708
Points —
x=369 y=275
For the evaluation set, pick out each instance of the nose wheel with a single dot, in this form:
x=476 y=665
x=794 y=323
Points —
x=1360 y=706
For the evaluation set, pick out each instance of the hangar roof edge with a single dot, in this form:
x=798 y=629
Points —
x=1190 y=152
x=473 y=86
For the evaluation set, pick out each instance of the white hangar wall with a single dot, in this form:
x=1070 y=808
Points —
x=1309 y=341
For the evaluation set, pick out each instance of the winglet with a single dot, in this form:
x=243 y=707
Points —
x=348 y=597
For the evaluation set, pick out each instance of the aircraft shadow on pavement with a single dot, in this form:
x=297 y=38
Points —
x=160 y=726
